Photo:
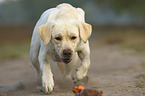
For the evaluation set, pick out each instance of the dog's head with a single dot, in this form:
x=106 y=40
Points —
x=65 y=37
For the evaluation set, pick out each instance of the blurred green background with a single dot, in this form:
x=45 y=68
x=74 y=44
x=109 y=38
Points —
x=119 y=23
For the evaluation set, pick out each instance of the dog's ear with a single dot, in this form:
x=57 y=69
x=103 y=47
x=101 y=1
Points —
x=45 y=32
x=85 y=31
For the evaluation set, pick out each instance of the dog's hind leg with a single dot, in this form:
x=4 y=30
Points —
x=34 y=52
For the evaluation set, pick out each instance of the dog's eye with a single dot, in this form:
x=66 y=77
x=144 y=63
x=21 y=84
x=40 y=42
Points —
x=73 y=37
x=58 y=38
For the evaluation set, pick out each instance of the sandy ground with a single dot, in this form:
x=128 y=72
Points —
x=111 y=71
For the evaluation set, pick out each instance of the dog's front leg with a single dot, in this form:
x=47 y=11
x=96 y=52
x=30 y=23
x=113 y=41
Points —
x=82 y=70
x=47 y=76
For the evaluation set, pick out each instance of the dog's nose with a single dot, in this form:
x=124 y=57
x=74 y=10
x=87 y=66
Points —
x=67 y=52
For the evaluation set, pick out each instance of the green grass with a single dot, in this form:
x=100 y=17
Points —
x=141 y=82
x=140 y=85
x=13 y=50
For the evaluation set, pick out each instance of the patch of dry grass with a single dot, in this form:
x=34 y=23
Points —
x=126 y=39
x=14 y=41
x=13 y=50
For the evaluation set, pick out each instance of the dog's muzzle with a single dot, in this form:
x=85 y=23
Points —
x=67 y=54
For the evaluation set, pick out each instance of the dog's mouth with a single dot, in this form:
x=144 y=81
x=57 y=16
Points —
x=67 y=60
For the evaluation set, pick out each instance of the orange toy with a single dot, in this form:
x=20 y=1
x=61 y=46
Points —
x=81 y=91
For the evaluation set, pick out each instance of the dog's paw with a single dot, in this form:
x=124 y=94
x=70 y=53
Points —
x=48 y=84
x=75 y=79
x=79 y=75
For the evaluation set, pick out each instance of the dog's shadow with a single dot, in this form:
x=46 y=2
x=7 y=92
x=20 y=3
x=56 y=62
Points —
x=67 y=84
x=12 y=88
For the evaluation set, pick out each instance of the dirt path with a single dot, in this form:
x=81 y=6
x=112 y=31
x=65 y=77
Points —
x=113 y=72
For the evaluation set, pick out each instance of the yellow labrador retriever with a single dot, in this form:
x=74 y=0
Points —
x=60 y=35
